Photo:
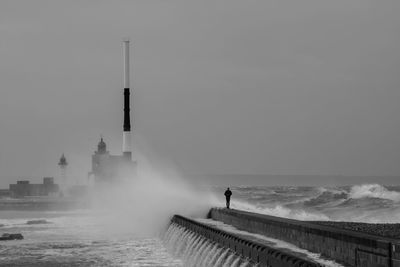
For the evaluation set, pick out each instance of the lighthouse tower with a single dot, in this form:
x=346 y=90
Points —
x=63 y=168
x=126 y=137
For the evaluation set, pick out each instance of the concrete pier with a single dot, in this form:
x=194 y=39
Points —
x=350 y=248
x=256 y=252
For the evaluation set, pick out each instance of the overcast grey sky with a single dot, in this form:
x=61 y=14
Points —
x=260 y=87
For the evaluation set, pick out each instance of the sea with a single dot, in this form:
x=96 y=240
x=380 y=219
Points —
x=102 y=237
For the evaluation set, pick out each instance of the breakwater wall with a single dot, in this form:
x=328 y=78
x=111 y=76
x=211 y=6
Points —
x=256 y=253
x=348 y=247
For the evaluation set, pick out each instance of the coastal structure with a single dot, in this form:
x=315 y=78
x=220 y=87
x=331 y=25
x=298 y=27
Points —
x=63 y=172
x=127 y=135
x=252 y=236
x=107 y=167
x=25 y=188
x=5 y=193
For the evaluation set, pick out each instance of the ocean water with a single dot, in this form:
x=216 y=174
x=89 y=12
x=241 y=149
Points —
x=371 y=203
x=93 y=238
x=76 y=238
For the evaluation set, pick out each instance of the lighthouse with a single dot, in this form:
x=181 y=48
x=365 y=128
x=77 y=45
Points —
x=63 y=168
x=127 y=135
x=105 y=166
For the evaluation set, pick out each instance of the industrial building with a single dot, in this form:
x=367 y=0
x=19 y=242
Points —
x=25 y=188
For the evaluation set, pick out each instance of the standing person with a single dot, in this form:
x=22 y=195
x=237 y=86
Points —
x=228 y=194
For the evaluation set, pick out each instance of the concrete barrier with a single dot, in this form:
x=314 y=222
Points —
x=256 y=252
x=347 y=247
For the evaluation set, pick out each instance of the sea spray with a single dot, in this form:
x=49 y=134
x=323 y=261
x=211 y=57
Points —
x=190 y=247
x=221 y=258
x=144 y=202
x=183 y=243
x=228 y=262
x=203 y=252
x=280 y=211
x=197 y=254
x=373 y=191
x=371 y=203
x=192 y=241
x=213 y=256
x=195 y=250
x=206 y=254
x=236 y=263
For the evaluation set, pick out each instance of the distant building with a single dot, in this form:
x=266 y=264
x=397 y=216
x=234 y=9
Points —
x=109 y=168
x=62 y=163
x=5 y=193
x=25 y=188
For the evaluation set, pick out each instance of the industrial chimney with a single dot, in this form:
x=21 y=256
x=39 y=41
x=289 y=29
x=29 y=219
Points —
x=127 y=139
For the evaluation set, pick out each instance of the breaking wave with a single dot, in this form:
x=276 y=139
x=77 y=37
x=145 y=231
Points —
x=373 y=203
x=373 y=191
x=281 y=211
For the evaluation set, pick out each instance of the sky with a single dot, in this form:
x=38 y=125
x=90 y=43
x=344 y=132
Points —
x=219 y=87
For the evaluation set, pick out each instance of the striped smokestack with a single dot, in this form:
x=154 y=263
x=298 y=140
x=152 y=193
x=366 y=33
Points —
x=127 y=139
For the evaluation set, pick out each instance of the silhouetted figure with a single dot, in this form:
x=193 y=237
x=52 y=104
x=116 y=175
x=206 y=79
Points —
x=228 y=194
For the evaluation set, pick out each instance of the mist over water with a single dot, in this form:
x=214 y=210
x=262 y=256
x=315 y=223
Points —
x=122 y=227
x=144 y=202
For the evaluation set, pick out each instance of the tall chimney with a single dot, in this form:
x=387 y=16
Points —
x=127 y=139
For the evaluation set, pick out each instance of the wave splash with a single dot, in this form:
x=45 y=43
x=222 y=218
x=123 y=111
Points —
x=373 y=203
x=373 y=191
x=195 y=250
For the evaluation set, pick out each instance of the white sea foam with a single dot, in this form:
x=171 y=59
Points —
x=280 y=211
x=373 y=191
x=372 y=203
x=196 y=251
